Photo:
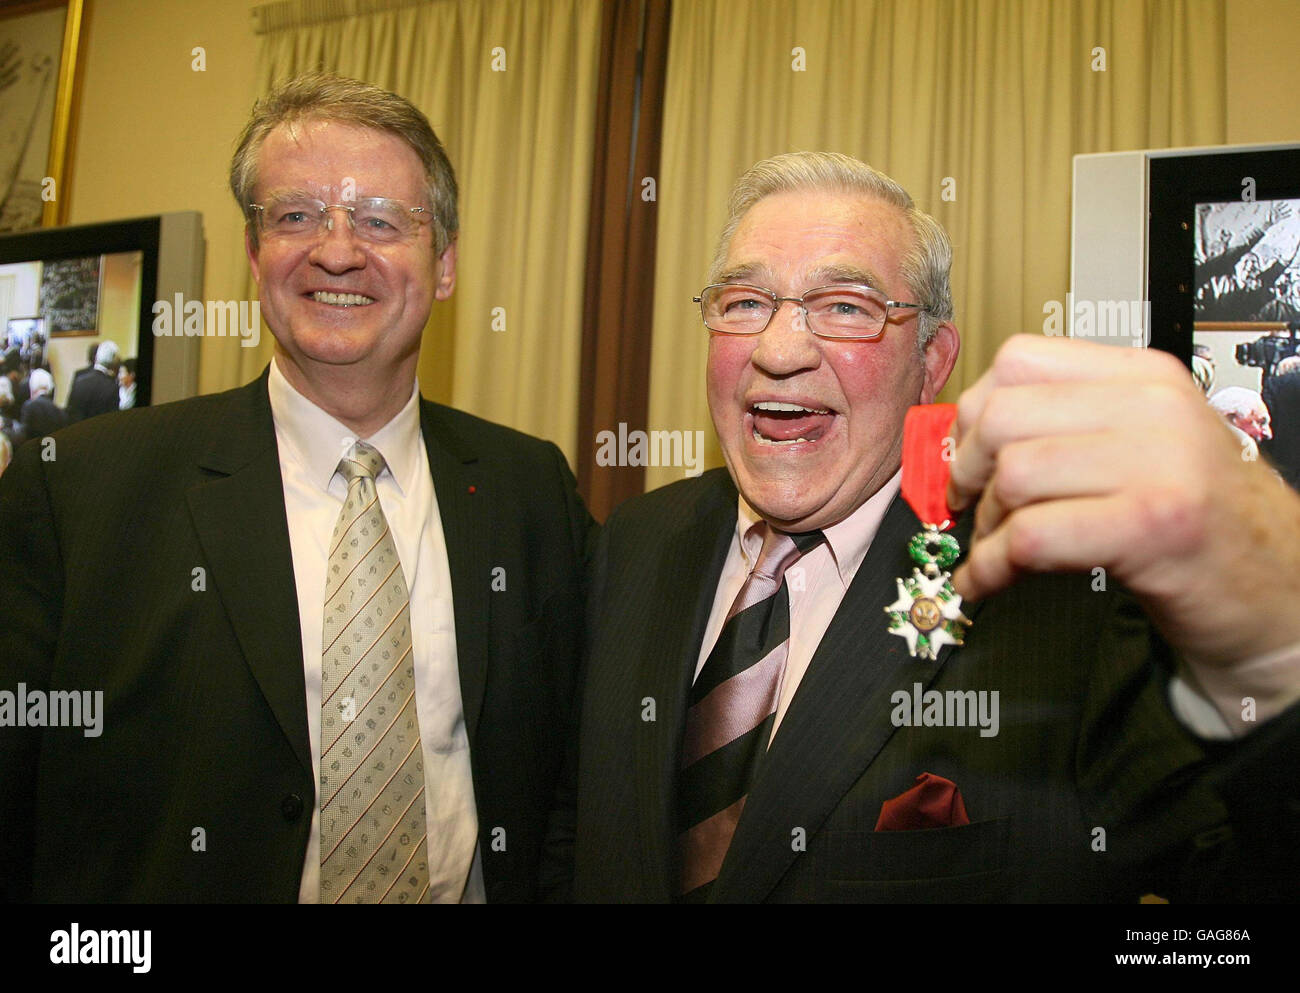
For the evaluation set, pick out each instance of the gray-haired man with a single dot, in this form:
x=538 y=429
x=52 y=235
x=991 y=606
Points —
x=754 y=727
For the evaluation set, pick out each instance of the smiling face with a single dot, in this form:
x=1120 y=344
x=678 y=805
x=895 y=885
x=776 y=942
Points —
x=341 y=308
x=812 y=466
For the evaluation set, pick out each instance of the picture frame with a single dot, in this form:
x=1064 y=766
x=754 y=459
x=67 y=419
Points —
x=40 y=41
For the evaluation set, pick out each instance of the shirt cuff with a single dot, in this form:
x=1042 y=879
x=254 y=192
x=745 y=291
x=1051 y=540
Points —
x=1229 y=702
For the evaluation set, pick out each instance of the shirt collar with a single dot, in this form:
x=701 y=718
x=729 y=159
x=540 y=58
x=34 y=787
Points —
x=317 y=440
x=848 y=540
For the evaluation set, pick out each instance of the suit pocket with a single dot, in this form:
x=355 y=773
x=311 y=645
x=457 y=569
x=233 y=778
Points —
x=956 y=864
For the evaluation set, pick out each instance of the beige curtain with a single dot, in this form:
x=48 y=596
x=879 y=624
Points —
x=994 y=95
x=510 y=87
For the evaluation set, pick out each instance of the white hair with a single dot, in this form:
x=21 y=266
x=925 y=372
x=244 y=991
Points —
x=1289 y=364
x=41 y=382
x=1203 y=373
x=1237 y=401
x=6 y=391
x=106 y=354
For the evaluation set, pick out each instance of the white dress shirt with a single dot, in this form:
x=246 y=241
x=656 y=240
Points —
x=311 y=443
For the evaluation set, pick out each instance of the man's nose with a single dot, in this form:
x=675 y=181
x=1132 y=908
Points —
x=786 y=345
x=337 y=244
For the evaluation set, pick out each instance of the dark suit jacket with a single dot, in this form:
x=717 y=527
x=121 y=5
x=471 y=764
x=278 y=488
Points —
x=1086 y=740
x=93 y=394
x=206 y=724
x=1281 y=395
x=41 y=417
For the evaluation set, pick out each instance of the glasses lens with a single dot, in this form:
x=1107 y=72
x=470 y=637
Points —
x=290 y=215
x=845 y=311
x=380 y=219
x=735 y=309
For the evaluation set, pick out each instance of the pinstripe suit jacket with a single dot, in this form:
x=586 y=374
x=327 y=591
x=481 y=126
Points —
x=1091 y=790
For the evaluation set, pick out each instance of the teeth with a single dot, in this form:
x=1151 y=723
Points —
x=777 y=405
x=342 y=299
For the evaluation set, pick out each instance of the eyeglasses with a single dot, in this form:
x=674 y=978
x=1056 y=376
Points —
x=374 y=219
x=846 y=310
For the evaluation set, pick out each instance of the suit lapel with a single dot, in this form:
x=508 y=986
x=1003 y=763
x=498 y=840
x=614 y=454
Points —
x=240 y=520
x=838 y=720
x=467 y=532
x=683 y=585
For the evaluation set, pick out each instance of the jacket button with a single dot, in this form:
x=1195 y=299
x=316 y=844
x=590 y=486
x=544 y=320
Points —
x=291 y=807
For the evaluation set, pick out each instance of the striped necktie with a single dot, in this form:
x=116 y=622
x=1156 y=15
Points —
x=372 y=835
x=732 y=707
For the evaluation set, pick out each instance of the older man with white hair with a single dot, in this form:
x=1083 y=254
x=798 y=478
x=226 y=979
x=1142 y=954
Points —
x=96 y=391
x=1247 y=416
x=762 y=721
x=41 y=416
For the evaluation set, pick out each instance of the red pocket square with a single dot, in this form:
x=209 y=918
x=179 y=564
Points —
x=934 y=802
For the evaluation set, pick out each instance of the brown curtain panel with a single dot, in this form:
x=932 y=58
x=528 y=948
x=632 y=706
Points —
x=617 y=308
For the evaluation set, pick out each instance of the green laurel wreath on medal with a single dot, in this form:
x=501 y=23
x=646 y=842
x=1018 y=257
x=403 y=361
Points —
x=928 y=610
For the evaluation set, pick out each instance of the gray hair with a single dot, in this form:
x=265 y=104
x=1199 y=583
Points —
x=926 y=265
x=326 y=97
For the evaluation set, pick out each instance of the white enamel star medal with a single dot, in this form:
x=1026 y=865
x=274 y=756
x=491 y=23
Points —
x=927 y=613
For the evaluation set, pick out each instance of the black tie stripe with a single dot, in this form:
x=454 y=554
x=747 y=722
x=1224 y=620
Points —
x=719 y=780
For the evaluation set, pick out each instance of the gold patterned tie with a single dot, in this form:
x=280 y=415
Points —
x=372 y=834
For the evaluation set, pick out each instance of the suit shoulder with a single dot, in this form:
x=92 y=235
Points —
x=682 y=500
x=458 y=429
x=152 y=432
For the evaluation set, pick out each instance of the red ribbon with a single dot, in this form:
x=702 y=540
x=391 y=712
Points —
x=926 y=462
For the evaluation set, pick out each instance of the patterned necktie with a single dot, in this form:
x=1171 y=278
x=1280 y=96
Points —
x=732 y=707
x=372 y=834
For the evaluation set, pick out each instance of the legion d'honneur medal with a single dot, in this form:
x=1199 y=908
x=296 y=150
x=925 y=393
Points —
x=927 y=612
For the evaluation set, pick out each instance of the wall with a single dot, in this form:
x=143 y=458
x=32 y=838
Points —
x=1262 y=42
x=153 y=135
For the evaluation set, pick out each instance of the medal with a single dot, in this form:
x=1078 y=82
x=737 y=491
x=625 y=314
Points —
x=927 y=612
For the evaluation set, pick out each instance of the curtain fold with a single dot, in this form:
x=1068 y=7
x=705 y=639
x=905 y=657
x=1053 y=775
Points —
x=510 y=87
x=617 y=320
x=975 y=106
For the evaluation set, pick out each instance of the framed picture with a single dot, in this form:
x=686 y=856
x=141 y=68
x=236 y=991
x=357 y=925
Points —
x=70 y=295
x=38 y=63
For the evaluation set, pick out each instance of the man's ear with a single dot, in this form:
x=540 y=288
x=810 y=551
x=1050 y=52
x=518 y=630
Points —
x=445 y=272
x=940 y=357
x=250 y=249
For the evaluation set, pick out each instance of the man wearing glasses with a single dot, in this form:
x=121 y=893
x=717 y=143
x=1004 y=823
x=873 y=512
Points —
x=335 y=625
x=754 y=725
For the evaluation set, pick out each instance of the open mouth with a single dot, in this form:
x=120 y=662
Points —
x=341 y=299
x=780 y=422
